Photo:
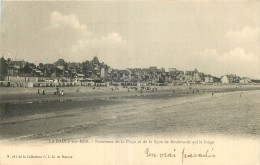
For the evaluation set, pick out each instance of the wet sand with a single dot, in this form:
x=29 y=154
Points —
x=21 y=95
x=21 y=102
x=133 y=114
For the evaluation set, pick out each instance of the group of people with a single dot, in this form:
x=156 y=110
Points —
x=58 y=92
x=43 y=92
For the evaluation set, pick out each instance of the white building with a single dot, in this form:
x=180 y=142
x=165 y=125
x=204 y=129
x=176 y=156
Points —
x=244 y=80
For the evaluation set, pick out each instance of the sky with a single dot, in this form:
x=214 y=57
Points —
x=216 y=37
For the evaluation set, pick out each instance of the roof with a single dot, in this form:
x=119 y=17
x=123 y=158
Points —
x=201 y=74
x=153 y=68
x=31 y=65
x=124 y=71
x=72 y=65
x=95 y=60
x=188 y=72
x=179 y=71
x=80 y=75
x=49 y=66
x=18 y=64
x=134 y=70
x=60 y=62
x=231 y=76
x=103 y=65
x=115 y=70
x=245 y=78
x=145 y=69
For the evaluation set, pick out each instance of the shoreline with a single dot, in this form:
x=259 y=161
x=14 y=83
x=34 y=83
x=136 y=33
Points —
x=22 y=95
x=18 y=104
x=116 y=112
x=25 y=106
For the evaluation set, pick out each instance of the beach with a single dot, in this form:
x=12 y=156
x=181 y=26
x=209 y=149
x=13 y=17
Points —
x=83 y=112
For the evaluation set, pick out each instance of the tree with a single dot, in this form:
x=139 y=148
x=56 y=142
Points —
x=3 y=68
x=41 y=65
x=27 y=69
x=86 y=68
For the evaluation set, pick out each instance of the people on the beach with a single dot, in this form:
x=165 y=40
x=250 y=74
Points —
x=212 y=94
x=57 y=91
x=43 y=93
x=62 y=93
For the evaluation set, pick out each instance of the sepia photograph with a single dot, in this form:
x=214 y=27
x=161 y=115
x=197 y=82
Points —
x=130 y=82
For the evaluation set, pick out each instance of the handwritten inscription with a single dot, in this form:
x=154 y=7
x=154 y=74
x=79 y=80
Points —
x=197 y=155
x=161 y=155
x=184 y=154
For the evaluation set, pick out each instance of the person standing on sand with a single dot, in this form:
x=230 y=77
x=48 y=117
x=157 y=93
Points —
x=57 y=91
x=212 y=94
x=62 y=93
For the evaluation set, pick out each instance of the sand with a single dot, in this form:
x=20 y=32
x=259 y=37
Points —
x=107 y=113
x=20 y=102
x=22 y=95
